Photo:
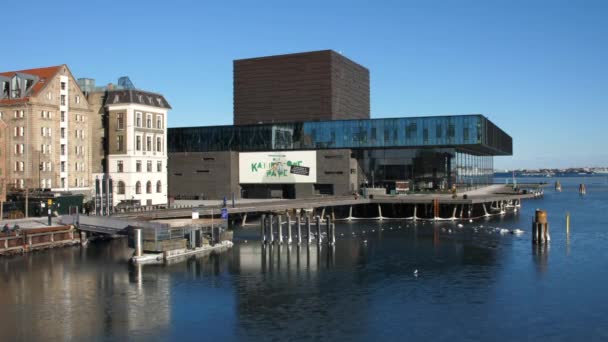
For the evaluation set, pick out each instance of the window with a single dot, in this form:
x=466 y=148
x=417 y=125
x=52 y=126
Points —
x=159 y=122
x=119 y=166
x=62 y=132
x=19 y=131
x=137 y=119
x=62 y=116
x=149 y=166
x=62 y=166
x=138 y=166
x=77 y=98
x=119 y=142
x=159 y=144
x=148 y=143
x=159 y=166
x=149 y=187
x=63 y=149
x=49 y=95
x=159 y=187
x=120 y=188
x=138 y=143
x=120 y=121
x=62 y=85
x=63 y=100
x=138 y=187
x=149 y=120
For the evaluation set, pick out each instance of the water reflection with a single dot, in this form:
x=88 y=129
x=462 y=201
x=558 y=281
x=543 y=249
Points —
x=269 y=291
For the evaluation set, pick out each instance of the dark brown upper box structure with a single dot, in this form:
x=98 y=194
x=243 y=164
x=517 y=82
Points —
x=308 y=86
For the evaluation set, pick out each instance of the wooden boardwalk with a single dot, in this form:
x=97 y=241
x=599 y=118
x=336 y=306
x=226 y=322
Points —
x=483 y=195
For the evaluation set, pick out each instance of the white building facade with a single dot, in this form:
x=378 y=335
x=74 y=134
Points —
x=137 y=146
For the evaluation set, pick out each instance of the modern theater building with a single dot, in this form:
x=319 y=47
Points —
x=302 y=128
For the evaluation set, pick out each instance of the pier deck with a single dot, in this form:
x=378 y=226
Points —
x=487 y=194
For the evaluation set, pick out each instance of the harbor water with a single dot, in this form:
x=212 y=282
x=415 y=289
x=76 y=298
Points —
x=391 y=280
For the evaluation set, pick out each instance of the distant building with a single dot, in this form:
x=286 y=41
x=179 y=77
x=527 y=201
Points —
x=47 y=117
x=309 y=86
x=130 y=127
x=3 y=150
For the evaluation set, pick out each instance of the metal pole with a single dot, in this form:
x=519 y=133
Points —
x=138 y=242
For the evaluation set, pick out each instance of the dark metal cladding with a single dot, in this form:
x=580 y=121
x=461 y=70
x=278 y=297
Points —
x=308 y=86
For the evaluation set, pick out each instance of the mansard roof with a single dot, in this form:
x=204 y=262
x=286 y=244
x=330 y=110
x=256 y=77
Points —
x=135 y=96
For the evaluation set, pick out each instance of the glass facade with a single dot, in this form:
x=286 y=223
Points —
x=473 y=132
x=437 y=168
x=429 y=152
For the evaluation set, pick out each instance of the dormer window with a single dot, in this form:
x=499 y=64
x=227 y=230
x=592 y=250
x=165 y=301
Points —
x=28 y=84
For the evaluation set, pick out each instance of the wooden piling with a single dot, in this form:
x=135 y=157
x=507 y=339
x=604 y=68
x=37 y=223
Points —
x=280 y=224
x=299 y=224
x=270 y=224
x=568 y=223
x=308 y=235
x=288 y=228
x=328 y=228
x=319 y=230
x=263 y=229
x=540 y=228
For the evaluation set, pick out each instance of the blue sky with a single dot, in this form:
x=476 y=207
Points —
x=538 y=69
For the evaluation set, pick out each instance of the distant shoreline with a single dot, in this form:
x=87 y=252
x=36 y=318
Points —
x=549 y=175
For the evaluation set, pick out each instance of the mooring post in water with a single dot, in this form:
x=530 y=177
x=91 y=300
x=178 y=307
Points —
x=454 y=212
x=379 y=211
x=415 y=211
x=333 y=233
x=138 y=242
x=270 y=230
x=318 y=229
x=350 y=213
x=435 y=208
x=299 y=224
x=83 y=238
x=288 y=228
x=540 y=228
x=328 y=228
x=262 y=229
x=308 y=236
x=567 y=223
x=280 y=224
